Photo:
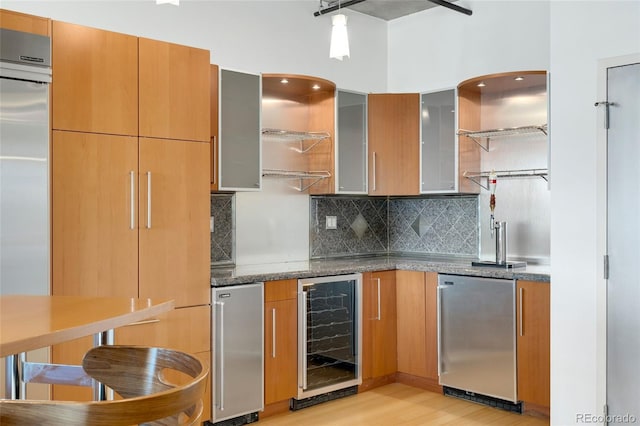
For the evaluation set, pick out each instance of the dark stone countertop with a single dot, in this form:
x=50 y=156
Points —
x=244 y=274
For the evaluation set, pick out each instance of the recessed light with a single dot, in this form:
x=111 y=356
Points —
x=519 y=78
x=316 y=87
x=284 y=81
x=481 y=84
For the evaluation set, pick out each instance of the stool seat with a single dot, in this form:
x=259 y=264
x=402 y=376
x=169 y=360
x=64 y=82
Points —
x=158 y=386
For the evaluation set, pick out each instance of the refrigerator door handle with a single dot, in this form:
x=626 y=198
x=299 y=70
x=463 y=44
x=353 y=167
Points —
x=220 y=354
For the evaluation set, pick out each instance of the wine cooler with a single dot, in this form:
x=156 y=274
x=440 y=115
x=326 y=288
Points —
x=329 y=334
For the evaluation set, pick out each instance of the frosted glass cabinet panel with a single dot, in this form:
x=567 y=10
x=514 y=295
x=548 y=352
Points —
x=240 y=105
x=438 y=148
x=351 y=142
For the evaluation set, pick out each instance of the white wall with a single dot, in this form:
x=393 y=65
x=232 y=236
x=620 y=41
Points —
x=439 y=48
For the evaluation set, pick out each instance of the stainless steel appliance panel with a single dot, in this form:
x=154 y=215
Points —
x=329 y=334
x=238 y=340
x=477 y=335
x=24 y=187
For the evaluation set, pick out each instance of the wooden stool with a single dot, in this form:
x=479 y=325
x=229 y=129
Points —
x=138 y=374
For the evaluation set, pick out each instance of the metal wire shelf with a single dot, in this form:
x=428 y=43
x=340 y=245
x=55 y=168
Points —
x=315 y=176
x=487 y=135
x=479 y=177
x=294 y=136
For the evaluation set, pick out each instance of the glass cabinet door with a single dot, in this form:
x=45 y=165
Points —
x=240 y=104
x=438 y=147
x=351 y=142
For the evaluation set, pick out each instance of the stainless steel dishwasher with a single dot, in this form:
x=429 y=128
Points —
x=238 y=347
x=477 y=336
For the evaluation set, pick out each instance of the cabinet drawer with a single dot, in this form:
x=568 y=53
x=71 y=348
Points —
x=280 y=290
x=183 y=329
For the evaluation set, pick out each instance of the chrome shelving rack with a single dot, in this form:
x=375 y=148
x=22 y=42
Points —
x=487 y=135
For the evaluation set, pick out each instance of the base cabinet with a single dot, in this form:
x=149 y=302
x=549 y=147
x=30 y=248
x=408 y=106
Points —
x=280 y=341
x=533 y=345
x=417 y=328
x=379 y=353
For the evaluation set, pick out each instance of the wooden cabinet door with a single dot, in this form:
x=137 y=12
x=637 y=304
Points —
x=184 y=329
x=394 y=144
x=94 y=226
x=95 y=88
x=174 y=239
x=431 y=328
x=280 y=346
x=174 y=91
x=280 y=340
x=379 y=356
x=214 y=126
x=17 y=21
x=412 y=345
x=533 y=342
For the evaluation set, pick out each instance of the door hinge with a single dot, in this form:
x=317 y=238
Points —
x=605 y=414
x=606 y=266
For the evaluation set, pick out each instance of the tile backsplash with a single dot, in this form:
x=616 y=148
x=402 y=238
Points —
x=361 y=226
x=366 y=225
x=443 y=225
x=223 y=235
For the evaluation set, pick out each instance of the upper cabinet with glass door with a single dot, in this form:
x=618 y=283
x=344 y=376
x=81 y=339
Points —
x=239 y=130
x=351 y=142
x=438 y=148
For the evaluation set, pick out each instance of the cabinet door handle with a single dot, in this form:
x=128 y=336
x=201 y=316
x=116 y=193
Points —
x=520 y=307
x=148 y=200
x=374 y=170
x=273 y=333
x=379 y=316
x=214 y=166
x=132 y=189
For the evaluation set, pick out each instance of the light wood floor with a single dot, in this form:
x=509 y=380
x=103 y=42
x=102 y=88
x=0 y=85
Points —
x=398 y=404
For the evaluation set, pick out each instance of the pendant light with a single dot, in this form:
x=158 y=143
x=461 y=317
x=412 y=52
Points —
x=174 y=2
x=339 y=38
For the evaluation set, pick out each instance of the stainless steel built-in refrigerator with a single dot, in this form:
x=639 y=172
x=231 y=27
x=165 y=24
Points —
x=25 y=71
x=238 y=347
x=477 y=335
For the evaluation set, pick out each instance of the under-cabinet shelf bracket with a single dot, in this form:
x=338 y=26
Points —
x=306 y=179
x=480 y=178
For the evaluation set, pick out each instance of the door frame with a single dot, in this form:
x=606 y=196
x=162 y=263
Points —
x=601 y=223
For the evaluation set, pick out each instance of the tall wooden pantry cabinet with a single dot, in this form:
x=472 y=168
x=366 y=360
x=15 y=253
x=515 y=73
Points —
x=130 y=183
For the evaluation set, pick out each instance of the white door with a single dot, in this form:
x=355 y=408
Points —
x=623 y=244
